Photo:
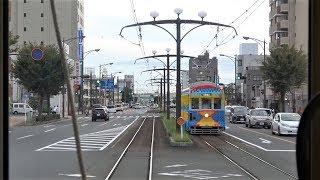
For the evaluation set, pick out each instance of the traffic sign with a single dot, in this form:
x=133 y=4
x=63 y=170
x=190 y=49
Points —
x=36 y=54
x=180 y=121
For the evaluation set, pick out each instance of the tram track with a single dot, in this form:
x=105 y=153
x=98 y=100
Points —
x=139 y=151
x=227 y=150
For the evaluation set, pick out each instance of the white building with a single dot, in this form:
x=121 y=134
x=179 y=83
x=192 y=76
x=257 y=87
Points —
x=184 y=79
x=248 y=48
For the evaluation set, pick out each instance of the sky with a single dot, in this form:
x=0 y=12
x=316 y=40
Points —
x=103 y=21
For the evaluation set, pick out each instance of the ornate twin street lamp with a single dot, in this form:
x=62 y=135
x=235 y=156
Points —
x=178 y=40
x=264 y=60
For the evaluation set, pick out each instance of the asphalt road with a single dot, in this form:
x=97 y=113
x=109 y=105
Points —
x=48 y=151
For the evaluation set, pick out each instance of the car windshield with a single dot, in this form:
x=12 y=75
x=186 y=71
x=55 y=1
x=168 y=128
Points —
x=240 y=110
x=259 y=113
x=290 y=117
x=172 y=80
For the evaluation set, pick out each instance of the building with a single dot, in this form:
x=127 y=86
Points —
x=203 y=69
x=248 y=48
x=289 y=25
x=184 y=79
x=250 y=80
x=33 y=22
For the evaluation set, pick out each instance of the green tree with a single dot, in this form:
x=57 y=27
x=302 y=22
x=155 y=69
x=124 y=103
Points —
x=229 y=94
x=13 y=40
x=284 y=70
x=44 y=77
x=126 y=95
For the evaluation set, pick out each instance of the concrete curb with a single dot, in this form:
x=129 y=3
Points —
x=45 y=122
x=173 y=142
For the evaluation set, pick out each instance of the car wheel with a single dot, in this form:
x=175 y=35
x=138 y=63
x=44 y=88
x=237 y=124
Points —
x=93 y=119
x=269 y=127
x=106 y=119
x=279 y=132
x=16 y=112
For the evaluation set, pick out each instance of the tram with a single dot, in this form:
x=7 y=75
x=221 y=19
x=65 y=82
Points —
x=202 y=108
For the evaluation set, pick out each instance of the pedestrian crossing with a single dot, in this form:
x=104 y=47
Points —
x=96 y=141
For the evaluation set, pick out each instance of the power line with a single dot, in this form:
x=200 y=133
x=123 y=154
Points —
x=218 y=31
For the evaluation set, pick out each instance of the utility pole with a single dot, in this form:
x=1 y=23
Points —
x=90 y=89
x=118 y=88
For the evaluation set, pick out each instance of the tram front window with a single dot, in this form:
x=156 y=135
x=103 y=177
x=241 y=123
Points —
x=217 y=103
x=195 y=103
x=206 y=103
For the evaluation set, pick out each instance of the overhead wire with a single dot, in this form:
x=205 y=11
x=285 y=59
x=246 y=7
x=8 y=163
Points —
x=220 y=31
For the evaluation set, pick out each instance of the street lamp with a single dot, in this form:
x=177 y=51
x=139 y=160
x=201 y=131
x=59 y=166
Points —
x=234 y=60
x=112 y=77
x=264 y=60
x=66 y=42
x=178 y=40
x=81 y=74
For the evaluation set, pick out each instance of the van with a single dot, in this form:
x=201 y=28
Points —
x=21 y=108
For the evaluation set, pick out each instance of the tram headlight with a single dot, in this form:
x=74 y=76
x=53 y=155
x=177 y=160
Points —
x=206 y=115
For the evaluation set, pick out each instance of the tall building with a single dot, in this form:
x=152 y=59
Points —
x=32 y=20
x=203 y=69
x=289 y=25
x=184 y=79
x=248 y=48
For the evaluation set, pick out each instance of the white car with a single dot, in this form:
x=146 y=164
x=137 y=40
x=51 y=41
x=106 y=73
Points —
x=259 y=117
x=285 y=123
x=112 y=109
x=21 y=108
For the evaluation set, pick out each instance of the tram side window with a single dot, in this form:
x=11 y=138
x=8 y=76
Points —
x=195 y=103
x=206 y=103
x=217 y=103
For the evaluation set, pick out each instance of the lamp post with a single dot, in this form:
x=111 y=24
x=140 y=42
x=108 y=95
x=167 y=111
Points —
x=112 y=77
x=234 y=60
x=264 y=60
x=178 y=40
x=167 y=102
x=81 y=74
x=64 y=43
x=101 y=76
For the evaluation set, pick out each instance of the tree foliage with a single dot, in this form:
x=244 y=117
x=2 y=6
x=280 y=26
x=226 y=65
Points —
x=13 y=40
x=286 y=68
x=44 y=77
x=126 y=95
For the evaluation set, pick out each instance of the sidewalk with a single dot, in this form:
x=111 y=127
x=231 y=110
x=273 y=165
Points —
x=19 y=120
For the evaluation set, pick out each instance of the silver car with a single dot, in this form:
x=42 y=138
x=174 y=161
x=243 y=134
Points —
x=259 y=117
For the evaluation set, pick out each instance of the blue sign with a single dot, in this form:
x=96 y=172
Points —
x=80 y=53
x=107 y=84
x=37 y=54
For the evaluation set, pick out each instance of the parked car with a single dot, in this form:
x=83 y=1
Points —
x=112 y=109
x=259 y=117
x=119 y=107
x=285 y=123
x=21 y=108
x=238 y=114
x=100 y=113
x=137 y=106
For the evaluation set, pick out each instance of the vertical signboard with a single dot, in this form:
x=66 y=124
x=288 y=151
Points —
x=80 y=52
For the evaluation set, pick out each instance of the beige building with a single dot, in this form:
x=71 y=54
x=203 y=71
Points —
x=32 y=21
x=289 y=25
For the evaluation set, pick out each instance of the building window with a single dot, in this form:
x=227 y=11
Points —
x=41 y=14
x=240 y=62
x=257 y=78
x=25 y=1
x=41 y=1
x=25 y=29
x=41 y=28
x=24 y=14
x=41 y=42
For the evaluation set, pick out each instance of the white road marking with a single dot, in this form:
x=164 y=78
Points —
x=176 y=165
x=48 y=126
x=227 y=127
x=84 y=124
x=66 y=125
x=199 y=174
x=117 y=125
x=265 y=141
x=74 y=175
x=118 y=116
x=264 y=149
x=25 y=136
x=96 y=141
x=50 y=130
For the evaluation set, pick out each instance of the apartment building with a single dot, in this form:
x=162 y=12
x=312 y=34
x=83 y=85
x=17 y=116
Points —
x=203 y=68
x=289 y=25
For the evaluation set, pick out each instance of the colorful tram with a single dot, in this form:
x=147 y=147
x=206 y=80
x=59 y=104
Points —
x=202 y=108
